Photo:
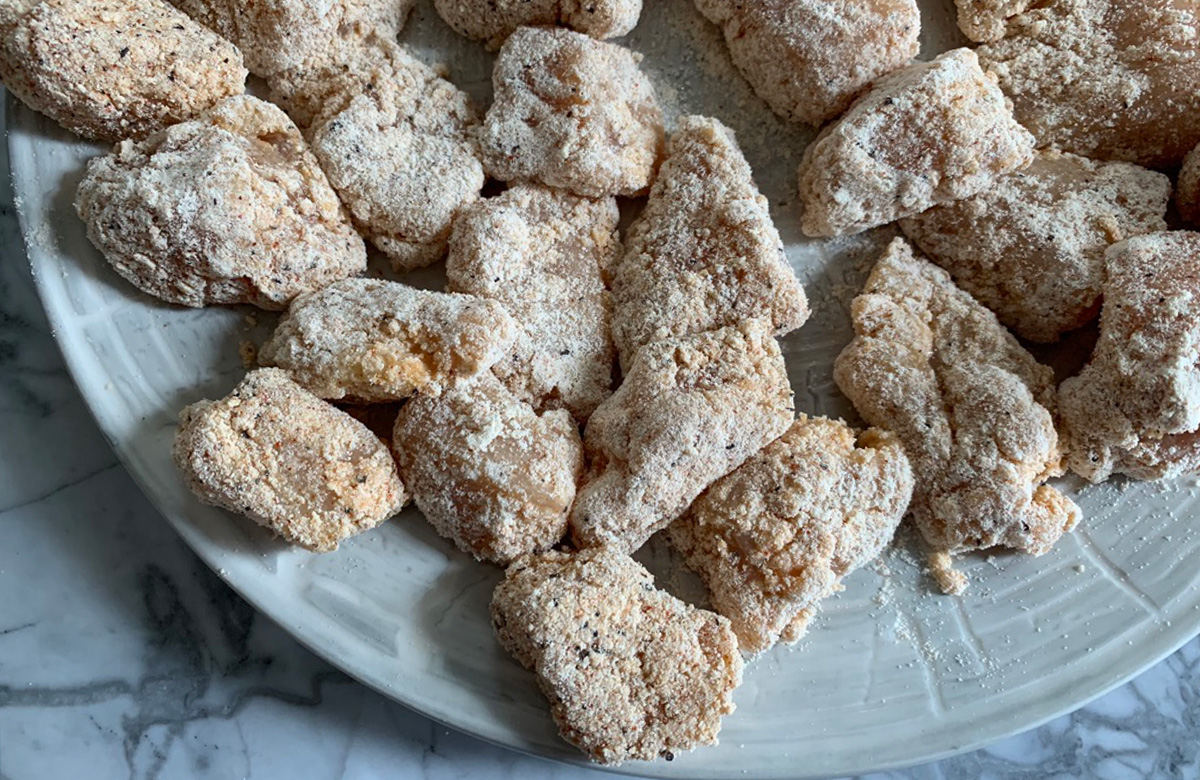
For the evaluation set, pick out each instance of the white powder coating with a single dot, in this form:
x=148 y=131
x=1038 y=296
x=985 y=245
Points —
x=690 y=410
x=571 y=112
x=545 y=254
x=631 y=672
x=1187 y=188
x=704 y=254
x=931 y=133
x=1110 y=79
x=1031 y=247
x=375 y=340
x=774 y=537
x=491 y=21
x=110 y=70
x=487 y=471
x=1143 y=381
x=808 y=59
x=287 y=460
x=986 y=20
x=974 y=410
x=228 y=208
x=276 y=35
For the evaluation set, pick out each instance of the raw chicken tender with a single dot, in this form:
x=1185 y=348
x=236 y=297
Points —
x=487 y=471
x=1031 y=247
x=631 y=672
x=776 y=536
x=986 y=20
x=1187 y=191
x=973 y=409
x=1110 y=79
x=287 y=460
x=571 y=112
x=704 y=253
x=277 y=35
x=1143 y=381
x=808 y=59
x=114 y=69
x=690 y=410
x=374 y=340
x=545 y=254
x=227 y=208
x=492 y=21
x=931 y=133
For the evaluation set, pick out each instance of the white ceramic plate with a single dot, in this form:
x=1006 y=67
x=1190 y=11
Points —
x=891 y=673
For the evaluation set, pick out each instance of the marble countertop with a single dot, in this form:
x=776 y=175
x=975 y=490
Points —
x=123 y=656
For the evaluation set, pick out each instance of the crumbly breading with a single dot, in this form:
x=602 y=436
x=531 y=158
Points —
x=984 y=21
x=974 y=410
x=1172 y=456
x=931 y=133
x=1143 y=381
x=228 y=208
x=1109 y=79
x=487 y=471
x=277 y=35
x=277 y=454
x=491 y=21
x=774 y=537
x=571 y=112
x=374 y=340
x=1187 y=189
x=631 y=672
x=690 y=410
x=808 y=59
x=1031 y=246
x=545 y=254
x=704 y=254
x=114 y=69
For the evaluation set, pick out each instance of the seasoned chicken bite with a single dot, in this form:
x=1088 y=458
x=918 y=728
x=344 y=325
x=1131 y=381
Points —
x=691 y=409
x=704 y=253
x=545 y=254
x=775 y=536
x=808 y=59
x=228 y=208
x=492 y=21
x=114 y=69
x=931 y=133
x=1031 y=247
x=277 y=454
x=1110 y=79
x=973 y=409
x=374 y=340
x=571 y=112
x=1143 y=381
x=631 y=672
x=986 y=20
x=489 y=472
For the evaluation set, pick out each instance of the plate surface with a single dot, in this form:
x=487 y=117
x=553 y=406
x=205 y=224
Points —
x=890 y=674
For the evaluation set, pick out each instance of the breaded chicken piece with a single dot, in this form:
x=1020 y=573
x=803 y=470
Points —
x=374 y=340
x=690 y=410
x=774 y=537
x=1031 y=246
x=704 y=254
x=489 y=472
x=931 y=133
x=1143 y=381
x=973 y=409
x=545 y=255
x=1109 y=79
x=491 y=21
x=1187 y=189
x=571 y=112
x=277 y=454
x=278 y=35
x=228 y=208
x=808 y=59
x=984 y=21
x=114 y=69
x=631 y=672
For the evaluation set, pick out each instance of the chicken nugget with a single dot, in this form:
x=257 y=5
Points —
x=491 y=21
x=277 y=454
x=631 y=672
